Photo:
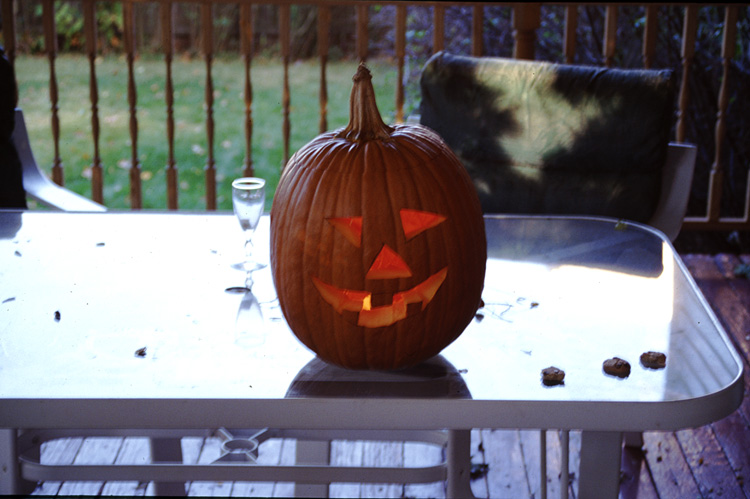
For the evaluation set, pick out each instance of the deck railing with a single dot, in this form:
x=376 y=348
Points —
x=525 y=27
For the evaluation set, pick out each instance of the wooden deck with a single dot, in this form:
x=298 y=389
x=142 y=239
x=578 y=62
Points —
x=709 y=461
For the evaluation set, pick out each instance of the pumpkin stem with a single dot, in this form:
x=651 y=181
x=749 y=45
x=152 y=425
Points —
x=365 y=122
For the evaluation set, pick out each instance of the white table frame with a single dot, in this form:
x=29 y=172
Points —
x=602 y=422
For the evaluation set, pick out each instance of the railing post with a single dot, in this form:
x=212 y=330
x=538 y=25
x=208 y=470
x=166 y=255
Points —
x=689 y=31
x=285 y=41
x=526 y=20
x=50 y=46
x=610 y=35
x=362 y=41
x=89 y=24
x=324 y=27
x=477 y=31
x=716 y=179
x=400 y=58
x=246 y=47
x=649 y=35
x=571 y=25
x=207 y=39
x=128 y=16
x=438 y=27
x=167 y=34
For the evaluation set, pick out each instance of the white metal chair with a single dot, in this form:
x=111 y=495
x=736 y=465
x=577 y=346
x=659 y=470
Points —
x=676 y=181
x=36 y=184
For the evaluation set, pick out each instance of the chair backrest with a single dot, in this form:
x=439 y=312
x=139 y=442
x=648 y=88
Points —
x=12 y=194
x=546 y=138
x=37 y=185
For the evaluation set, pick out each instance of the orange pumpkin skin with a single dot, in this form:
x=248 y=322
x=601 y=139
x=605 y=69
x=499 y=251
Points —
x=428 y=282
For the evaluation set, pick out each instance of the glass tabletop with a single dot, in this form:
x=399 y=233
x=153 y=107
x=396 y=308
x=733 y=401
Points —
x=141 y=306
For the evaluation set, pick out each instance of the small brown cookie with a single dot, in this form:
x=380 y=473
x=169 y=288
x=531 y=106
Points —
x=552 y=376
x=617 y=367
x=653 y=360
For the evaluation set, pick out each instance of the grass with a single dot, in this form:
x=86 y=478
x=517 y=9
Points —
x=76 y=143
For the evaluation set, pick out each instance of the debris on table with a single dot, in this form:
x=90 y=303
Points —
x=617 y=367
x=552 y=376
x=57 y=316
x=141 y=352
x=654 y=360
x=8 y=300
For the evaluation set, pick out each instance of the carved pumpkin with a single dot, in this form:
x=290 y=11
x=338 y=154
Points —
x=378 y=249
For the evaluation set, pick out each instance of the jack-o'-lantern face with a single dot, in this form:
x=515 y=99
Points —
x=387 y=265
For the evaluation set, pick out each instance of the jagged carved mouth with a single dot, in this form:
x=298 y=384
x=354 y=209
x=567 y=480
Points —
x=361 y=301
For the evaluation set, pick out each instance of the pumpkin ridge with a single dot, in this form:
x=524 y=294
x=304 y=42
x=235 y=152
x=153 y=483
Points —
x=446 y=184
x=328 y=194
x=433 y=254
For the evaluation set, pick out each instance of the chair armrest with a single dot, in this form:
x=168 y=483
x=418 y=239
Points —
x=35 y=182
x=677 y=178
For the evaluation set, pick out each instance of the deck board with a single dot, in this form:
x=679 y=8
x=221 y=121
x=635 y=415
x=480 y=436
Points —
x=709 y=461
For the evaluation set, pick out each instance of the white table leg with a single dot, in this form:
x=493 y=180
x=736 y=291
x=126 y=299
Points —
x=167 y=450
x=11 y=482
x=312 y=452
x=599 y=474
x=458 y=460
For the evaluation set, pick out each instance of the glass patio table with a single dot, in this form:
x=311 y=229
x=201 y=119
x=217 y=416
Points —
x=129 y=321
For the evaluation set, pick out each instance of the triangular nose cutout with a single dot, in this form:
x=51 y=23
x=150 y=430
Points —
x=388 y=265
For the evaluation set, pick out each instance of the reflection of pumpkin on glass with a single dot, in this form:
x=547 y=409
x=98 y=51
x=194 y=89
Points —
x=377 y=241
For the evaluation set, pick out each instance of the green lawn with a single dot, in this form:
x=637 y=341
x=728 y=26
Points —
x=76 y=144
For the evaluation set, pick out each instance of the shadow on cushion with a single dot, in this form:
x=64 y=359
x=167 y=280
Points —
x=538 y=137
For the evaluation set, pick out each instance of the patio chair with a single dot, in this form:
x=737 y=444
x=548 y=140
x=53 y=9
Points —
x=36 y=184
x=20 y=176
x=544 y=138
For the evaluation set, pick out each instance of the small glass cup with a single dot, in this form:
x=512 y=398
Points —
x=248 y=200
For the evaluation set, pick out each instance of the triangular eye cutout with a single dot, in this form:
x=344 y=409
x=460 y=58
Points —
x=350 y=228
x=388 y=265
x=415 y=221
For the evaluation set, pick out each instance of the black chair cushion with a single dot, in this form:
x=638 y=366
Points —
x=12 y=194
x=539 y=137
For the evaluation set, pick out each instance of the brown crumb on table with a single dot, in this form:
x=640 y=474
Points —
x=552 y=376
x=654 y=360
x=617 y=367
x=141 y=352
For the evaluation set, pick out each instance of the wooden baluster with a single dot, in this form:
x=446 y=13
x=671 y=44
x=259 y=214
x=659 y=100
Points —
x=571 y=27
x=362 y=41
x=716 y=179
x=610 y=35
x=284 y=36
x=128 y=17
x=438 y=26
x=166 y=12
x=477 y=28
x=649 y=35
x=89 y=25
x=207 y=39
x=689 y=33
x=526 y=20
x=50 y=45
x=324 y=28
x=246 y=47
x=400 y=59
